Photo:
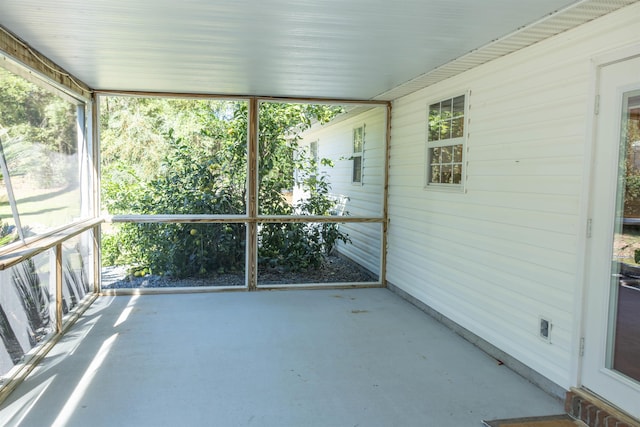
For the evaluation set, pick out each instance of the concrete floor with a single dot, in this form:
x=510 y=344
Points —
x=361 y=357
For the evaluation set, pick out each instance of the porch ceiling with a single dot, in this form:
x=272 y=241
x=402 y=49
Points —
x=356 y=49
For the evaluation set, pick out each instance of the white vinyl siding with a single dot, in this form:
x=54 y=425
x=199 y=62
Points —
x=511 y=249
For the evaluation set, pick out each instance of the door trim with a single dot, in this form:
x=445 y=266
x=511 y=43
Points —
x=584 y=294
x=580 y=305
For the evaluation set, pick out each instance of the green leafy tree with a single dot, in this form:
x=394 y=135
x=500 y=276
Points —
x=37 y=125
x=632 y=171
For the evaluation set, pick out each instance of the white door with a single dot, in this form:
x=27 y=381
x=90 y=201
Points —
x=611 y=364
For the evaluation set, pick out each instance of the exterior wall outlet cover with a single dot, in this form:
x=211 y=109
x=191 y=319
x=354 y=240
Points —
x=545 y=328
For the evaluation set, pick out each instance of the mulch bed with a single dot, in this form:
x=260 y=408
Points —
x=337 y=269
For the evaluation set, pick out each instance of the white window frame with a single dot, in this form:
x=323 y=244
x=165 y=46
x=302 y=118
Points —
x=456 y=158
x=313 y=155
x=312 y=151
x=357 y=154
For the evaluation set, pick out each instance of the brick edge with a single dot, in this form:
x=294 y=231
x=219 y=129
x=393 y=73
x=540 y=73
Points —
x=594 y=412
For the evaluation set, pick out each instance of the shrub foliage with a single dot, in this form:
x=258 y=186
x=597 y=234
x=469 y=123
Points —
x=163 y=156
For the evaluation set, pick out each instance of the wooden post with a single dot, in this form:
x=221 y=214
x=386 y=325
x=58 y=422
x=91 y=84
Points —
x=97 y=273
x=94 y=172
x=252 y=225
x=59 y=296
x=385 y=201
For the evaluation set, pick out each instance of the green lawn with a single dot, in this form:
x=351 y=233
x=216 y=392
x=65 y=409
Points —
x=41 y=208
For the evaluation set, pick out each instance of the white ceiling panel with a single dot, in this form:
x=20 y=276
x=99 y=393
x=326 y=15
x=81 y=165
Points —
x=348 y=49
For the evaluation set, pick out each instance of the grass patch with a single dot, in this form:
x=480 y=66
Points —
x=42 y=208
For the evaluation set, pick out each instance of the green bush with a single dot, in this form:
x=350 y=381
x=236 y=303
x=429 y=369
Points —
x=300 y=246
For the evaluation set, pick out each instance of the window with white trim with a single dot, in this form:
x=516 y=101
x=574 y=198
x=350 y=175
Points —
x=446 y=140
x=313 y=157
x=313 y=154
x=357 y=156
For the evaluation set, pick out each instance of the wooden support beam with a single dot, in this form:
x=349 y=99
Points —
x=95 y=174
x=59 y=295
x=16 y=253
x=237 y=219
x=19 y=50
x=385 y=199
x=308 y=100
x=252 y=227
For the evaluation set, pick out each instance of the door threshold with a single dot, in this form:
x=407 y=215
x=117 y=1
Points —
x=583 y=405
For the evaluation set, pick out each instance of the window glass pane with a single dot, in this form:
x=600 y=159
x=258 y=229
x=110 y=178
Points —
x=434 y=110
x=434 y=122
x=446 y=154
x=313 y=164
x=42 y=152
x=632 y=149
x=447 y=107
x=457 y=127
x=457 y=153
x=447 y=174
x=435 y=174
x=173 y=156
x=435 y=155
x=434 y=131
x=357 y=168
x=317 y=253
x=313 y=152
x=445 y=129
x=458 y=106
x=358 y=140
x=623 y=349
x=457 y=173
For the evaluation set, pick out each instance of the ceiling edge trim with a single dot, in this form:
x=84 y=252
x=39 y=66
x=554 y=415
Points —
x=549 y=26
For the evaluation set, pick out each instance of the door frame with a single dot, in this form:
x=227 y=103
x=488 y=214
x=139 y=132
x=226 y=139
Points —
x=587 y=204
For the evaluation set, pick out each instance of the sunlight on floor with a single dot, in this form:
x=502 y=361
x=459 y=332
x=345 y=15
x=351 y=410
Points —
x=127 y=311
x=77 y=394
x=25 y=404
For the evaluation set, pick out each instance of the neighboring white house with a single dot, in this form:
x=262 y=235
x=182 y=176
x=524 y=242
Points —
x=501 y=218
x=355 y=145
